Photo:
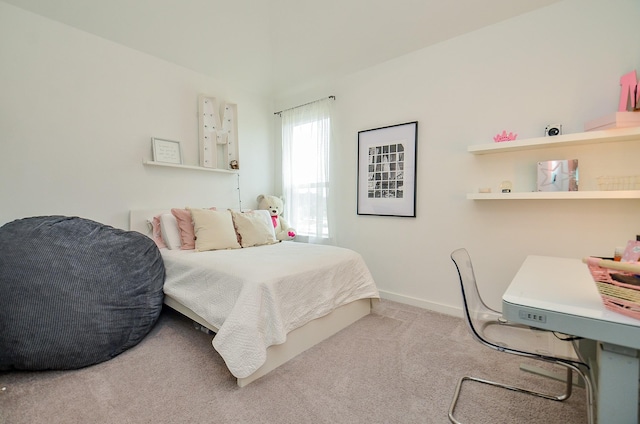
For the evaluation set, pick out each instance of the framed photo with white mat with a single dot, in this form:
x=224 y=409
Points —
x=387 y=170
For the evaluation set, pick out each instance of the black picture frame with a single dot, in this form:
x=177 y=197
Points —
x=387 y=170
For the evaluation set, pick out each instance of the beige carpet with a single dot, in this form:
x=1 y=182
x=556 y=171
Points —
x=398 y=365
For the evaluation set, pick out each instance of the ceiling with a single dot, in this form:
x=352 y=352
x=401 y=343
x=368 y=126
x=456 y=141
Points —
x=274 y=46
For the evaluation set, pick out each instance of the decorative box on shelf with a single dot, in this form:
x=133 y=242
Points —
x=625 y=182
x=614 y=120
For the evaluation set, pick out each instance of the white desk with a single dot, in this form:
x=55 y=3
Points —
x=559 y=294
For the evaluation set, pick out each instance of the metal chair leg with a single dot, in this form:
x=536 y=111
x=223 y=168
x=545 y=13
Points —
x=559 y=398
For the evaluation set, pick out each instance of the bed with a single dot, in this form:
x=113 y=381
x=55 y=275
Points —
x=266 y=303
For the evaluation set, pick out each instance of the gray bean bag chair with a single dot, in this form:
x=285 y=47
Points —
x=74 y=292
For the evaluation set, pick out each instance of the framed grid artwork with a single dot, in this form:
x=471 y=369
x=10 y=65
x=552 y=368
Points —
x=387 y=170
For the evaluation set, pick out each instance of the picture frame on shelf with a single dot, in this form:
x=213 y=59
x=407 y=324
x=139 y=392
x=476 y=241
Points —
x=387 y=170
x=166 y=151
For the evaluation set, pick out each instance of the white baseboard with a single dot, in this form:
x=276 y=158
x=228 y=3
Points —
x=421 y=303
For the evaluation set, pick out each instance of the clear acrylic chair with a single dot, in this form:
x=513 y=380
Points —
x=489 y=328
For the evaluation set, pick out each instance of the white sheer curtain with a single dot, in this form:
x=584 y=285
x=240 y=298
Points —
x=306 y=151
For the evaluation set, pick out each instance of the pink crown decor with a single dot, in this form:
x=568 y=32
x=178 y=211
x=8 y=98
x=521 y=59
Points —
x=505 y=137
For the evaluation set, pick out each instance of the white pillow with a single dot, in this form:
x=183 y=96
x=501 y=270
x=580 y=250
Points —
x=214 y=230
x=170 y=231
x=254 y=228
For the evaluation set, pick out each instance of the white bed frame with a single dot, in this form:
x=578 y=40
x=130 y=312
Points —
x=298 y=340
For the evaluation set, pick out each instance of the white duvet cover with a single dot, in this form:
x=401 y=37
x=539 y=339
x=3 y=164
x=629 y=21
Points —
x=256 y=295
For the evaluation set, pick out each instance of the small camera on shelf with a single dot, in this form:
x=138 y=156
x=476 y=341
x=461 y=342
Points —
x=552 y=129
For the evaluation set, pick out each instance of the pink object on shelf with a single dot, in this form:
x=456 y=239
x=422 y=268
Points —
x=504 y=136
x=629 y=94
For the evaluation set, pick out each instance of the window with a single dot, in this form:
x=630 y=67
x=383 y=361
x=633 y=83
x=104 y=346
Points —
x=306 y=139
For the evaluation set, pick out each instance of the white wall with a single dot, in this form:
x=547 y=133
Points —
x=560 y=64
x=77 y=113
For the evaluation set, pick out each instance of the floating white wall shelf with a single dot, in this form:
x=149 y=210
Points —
x=576 y=139
x=195 y=168
x=554 y=195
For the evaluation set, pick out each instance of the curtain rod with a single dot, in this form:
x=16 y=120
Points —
x=296 y=107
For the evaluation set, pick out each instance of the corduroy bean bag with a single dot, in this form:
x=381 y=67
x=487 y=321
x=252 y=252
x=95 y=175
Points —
x=74 y=292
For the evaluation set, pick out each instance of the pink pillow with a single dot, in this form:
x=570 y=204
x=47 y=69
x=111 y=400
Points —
x=156 y=233
x=185 y=225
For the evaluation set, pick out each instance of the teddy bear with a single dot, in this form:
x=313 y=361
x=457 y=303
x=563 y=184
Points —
x=275 y=206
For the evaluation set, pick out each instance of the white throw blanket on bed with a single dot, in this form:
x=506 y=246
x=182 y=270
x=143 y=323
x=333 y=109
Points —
x=256 y=295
